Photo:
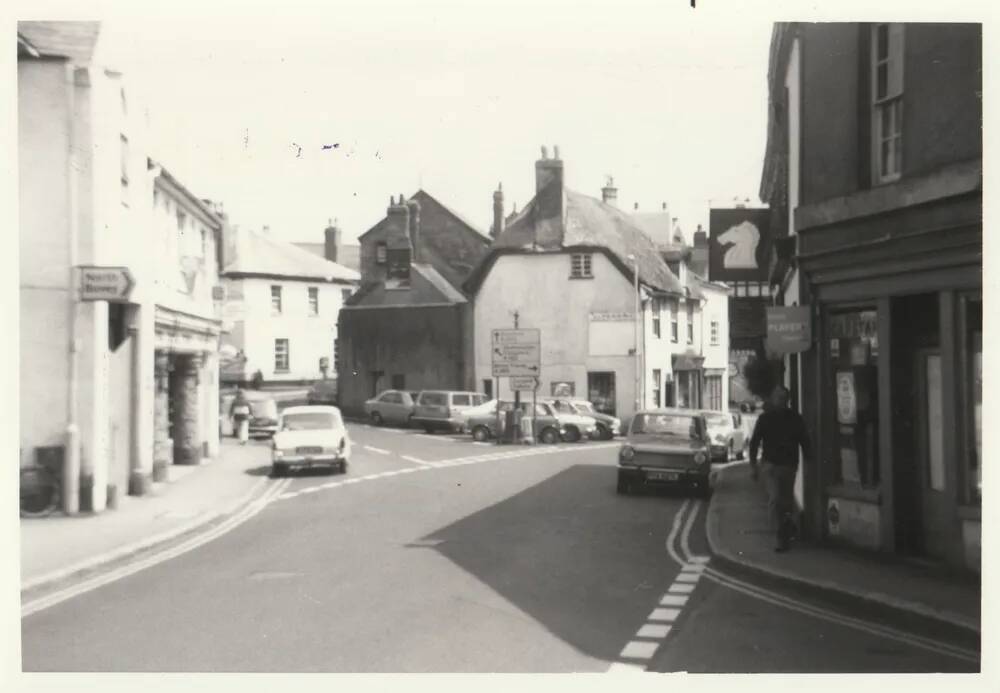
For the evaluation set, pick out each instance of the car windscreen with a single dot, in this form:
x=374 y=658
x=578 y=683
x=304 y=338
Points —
x=264 y=409
x=309 y=421
x=584 y=407
x=563 y=407
x=460 y=400
x=670 y=425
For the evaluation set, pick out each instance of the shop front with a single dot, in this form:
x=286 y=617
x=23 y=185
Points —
x=186 y=405
x=896 y=381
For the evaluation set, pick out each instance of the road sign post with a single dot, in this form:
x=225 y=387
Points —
x=516 y=353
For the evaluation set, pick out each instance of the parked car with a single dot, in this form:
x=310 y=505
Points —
x=263 y=415
x=323 y=392
x=482 y=423
x=391 y=406
x=310 y=436
x=726 y=432
x=444 y=409
x=574 y=426
x=666 y=447
x=608 y=426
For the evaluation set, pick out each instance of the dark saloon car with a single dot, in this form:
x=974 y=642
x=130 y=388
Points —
x=666 y=447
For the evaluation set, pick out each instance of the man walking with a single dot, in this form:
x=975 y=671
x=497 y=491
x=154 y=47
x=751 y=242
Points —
x=239 y=410
x=781 y=431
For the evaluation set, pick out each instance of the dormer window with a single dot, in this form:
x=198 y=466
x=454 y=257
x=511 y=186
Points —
x=381 y=252
x=580 y=266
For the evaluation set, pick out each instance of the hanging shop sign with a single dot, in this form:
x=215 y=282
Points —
x=789 y=329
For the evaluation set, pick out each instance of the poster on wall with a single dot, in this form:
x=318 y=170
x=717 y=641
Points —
x=562 y=388
x=847 y=399
x=739 y=246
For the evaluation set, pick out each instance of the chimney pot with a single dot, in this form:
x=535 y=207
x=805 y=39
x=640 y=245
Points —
x=636 y=207
x=555 y=151
x=664 y=206
x=545 y=152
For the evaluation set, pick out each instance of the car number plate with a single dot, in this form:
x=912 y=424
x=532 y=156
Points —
x=308 y=450
x=663 y=476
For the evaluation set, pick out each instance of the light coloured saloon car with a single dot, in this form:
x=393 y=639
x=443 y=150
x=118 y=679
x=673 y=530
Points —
x=310 y=436
x=666 y=447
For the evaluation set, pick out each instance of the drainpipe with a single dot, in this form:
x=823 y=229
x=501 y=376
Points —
x=71 y=462
x=638 y=381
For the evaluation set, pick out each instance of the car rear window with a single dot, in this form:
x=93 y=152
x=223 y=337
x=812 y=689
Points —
x=717 y=419
x=393 y=398
x=309 y=421
x=671 y=425
x=434 y=399
x=460 y=400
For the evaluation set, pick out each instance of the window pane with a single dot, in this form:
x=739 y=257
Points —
x=881 y=80
x=882 y=41
x=460 y=400
x=886 y=159
x=897 y=155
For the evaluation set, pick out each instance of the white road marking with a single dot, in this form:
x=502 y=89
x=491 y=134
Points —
x=380 y=451
x=688 y=577
x=664 y=614
x=686 y=535
x=678 y=588
x=638 y=649
x=693 y=568
x=415 y=460
x=652 y=630
x=678 y=520
x=241 y=516
x=673 y=600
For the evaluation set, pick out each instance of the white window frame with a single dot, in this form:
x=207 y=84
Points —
x=675 y=309
x=581 y=266
x=690 y=322
x=381 y=253
x=714 y=332
x=276 y=299
x=657 y=309
x=280 y=342
x=887 y=106
x=313 y=296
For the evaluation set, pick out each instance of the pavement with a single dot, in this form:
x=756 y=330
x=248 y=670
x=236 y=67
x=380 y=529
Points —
x=918 y=596
x=58 y=549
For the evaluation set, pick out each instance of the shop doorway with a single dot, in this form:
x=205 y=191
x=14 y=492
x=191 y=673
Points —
x=601 y=391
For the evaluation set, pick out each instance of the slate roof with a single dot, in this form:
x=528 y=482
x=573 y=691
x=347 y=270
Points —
x=73 y=40
x=588 y=223
x=347 y=255
x=260 y=255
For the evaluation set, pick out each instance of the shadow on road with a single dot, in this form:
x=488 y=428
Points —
x=586 y=563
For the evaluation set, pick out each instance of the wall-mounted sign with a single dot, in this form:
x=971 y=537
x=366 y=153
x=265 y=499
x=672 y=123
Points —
x=563 y=388
x=847 y=399
x=739 y=247
x=113 y=284
x=621 y=316
x=789 y=330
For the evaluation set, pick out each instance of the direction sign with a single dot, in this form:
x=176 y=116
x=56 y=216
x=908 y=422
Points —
x=516 y=352
x=524 y=384
x=112 y=284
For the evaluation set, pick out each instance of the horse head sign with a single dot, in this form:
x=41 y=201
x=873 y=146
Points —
x=738 y=250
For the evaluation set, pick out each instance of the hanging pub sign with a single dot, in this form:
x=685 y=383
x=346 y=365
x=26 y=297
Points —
x=739 y=245
x=789 y=330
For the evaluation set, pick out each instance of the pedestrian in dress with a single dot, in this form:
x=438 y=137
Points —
x=239 y=411
x=781 y=431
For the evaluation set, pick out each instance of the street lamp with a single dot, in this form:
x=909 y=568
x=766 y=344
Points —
x=636 y=318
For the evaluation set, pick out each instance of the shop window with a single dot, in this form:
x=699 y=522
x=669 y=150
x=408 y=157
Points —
x=281 y=356
x=853 y=377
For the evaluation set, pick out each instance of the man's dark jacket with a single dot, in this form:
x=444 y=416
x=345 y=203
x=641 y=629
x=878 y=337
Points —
x=781 y=431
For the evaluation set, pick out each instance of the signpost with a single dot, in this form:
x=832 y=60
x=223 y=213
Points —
x=112 y=284
x=516 y=352
x=524 y=383
x=788 y=329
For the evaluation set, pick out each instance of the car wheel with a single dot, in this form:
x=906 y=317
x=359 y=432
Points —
x=428 y=428
x=480 y=434
x=549 y=436
x=572 y=434
x=343 y=467
x=409 y=421
x=376 y=419
x=730 y=452
x=742 y=454
x=278 y=470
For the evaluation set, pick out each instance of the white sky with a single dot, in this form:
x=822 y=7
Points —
x=451 y=97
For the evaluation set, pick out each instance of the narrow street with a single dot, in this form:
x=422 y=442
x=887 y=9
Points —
x=435 y=554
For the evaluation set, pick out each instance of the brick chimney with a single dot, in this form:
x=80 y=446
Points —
x=331 y=238
x=549 y=193
x=497 y=211
x=414 y=228
x=609 y=193
x=399 y=251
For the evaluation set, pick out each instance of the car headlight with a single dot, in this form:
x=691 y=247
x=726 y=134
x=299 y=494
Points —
x=277 y=452
x=700 y=457
x=616 y=424
x=627 y=453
